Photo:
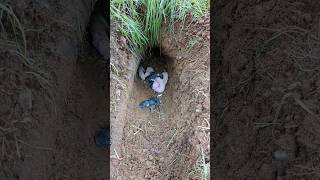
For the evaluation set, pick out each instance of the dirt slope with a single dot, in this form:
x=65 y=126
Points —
x=54 y=104
x=266 y=89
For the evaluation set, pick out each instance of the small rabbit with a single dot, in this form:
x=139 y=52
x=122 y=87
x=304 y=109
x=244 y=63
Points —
x=150 y=103
x=156 y=81
x=99 y=29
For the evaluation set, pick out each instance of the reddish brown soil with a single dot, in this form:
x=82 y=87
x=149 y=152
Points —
x=266 y=87
x=163 y=145
x=51 y=108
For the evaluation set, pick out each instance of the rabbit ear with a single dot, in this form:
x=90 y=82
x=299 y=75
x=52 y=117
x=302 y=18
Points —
x=141 y=68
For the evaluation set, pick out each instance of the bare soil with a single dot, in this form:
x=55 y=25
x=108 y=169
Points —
x=165 y=144
x=54 y=98
x=266 y=89
x=51 y=103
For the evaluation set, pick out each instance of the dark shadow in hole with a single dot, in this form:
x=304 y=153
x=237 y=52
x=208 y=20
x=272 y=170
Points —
x=155 y=58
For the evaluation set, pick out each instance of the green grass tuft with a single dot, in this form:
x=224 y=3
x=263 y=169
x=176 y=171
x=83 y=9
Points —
x=193 y=42
x=139 y=21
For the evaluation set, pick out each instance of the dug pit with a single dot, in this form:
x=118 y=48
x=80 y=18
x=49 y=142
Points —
x=164 y=144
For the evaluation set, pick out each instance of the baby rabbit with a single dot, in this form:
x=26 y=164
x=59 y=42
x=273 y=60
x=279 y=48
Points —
x=156 y=81
x=150 y=103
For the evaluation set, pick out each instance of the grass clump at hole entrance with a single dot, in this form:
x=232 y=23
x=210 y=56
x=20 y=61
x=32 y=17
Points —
x=139 y=21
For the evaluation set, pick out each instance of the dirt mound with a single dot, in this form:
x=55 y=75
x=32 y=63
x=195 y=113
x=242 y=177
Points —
x=166 y=144
x=266 y=89
x=51 y=103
